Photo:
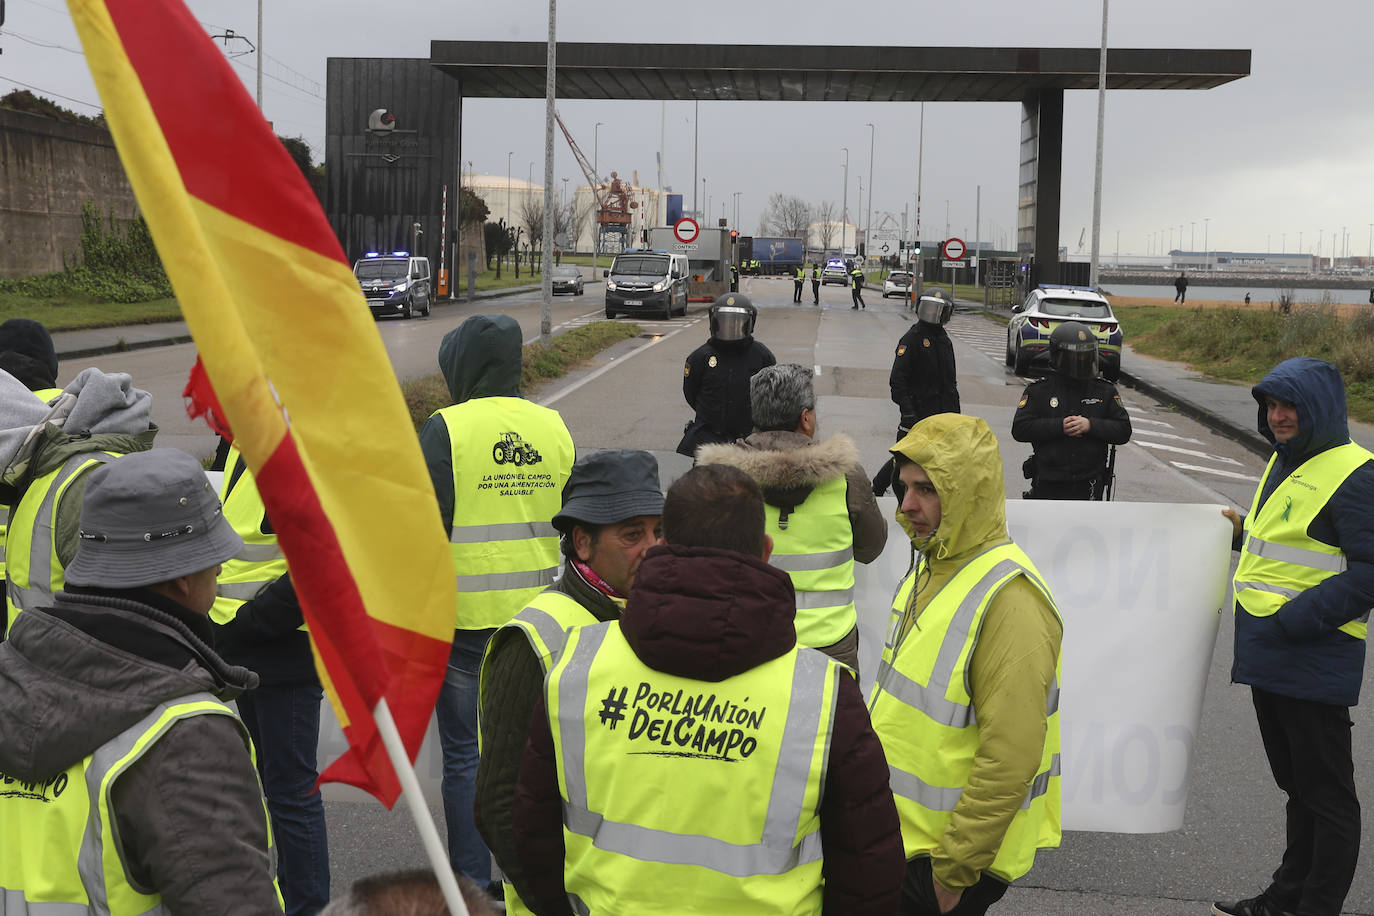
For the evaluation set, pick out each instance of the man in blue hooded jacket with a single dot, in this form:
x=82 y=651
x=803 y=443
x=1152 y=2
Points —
x=1304 y=587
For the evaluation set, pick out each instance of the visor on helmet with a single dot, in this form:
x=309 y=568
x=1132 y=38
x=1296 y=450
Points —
x=934 y=309
x=1073 y=351
x=731 y=323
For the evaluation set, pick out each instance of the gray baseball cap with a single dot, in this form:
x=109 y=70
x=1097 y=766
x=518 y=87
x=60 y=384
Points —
x=148 y=517
x=610 y=486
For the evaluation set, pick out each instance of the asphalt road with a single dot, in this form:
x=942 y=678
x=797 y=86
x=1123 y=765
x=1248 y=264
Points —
x=630 y=396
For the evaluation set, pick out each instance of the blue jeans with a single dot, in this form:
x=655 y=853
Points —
x=456 y=711
x=284 y=723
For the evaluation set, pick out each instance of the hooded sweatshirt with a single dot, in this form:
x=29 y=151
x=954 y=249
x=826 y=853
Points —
x=189 y=813
x=709 y=614
x=1014 y=660
x=1299 y=652
x=481 y=358
x=26 y=352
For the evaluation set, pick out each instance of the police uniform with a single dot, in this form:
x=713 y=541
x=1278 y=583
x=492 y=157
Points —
x=923 y=380
x=816 y=283
x=1064 y=466
x=856 y=285
x=715 y=382
x=798 y=280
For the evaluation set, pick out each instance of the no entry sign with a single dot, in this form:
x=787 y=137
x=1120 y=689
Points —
x=686 y=230
x=954 y=249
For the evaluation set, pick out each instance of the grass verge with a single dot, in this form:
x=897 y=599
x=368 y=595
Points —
x=1242 y=345
x=539 y=364
x=73 y=311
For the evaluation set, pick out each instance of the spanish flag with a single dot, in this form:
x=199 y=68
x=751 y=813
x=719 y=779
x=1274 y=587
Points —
x=297 y=368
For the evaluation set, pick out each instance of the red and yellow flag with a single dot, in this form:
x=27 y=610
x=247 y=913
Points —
x=298 y=369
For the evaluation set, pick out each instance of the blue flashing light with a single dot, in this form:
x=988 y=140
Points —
x=1084 y=289
x=371 y=254
x=400 y=254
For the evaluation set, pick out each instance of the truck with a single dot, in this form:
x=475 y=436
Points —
x=775 y=255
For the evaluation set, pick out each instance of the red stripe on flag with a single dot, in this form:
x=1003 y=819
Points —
x=342 y=631
x=224 y=153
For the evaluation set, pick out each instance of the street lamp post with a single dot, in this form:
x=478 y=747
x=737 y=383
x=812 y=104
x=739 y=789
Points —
x=510 y=218
x=596 y=197
x=1206 y=248
x=737 y=194
x=868 y=218
x=844 y=206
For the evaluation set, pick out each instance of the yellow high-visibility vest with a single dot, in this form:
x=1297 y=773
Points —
x=1278 y=560
x=45 y=395
x=59 y=847
x=260 y=560
x=34 y=572
x=922 y=711
x=710 y=789
x=510 y=460
x=815 y=547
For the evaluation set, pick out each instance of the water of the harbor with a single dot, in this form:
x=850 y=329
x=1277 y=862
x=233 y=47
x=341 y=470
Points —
x=1258 y=294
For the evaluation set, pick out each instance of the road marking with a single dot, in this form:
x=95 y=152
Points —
x=1155 y=432
x=1218 y=471
x=1136 y=419
x=1187 y=451
x=613 y=364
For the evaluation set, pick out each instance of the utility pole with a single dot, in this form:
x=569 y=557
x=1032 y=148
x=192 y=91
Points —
x=868 y=219
x=919 y=272
x=546 y=271
x=844 y=206
x=596 y=196
x=696 y=146
x=1097 y=178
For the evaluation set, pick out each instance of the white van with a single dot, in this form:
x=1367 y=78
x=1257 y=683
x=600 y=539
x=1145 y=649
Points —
x=648 y=282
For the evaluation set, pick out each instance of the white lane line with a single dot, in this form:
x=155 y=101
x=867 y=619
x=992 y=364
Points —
x=1135 y=419
x=558 y=396
x=1187 y=451
x=1156 y=433
x=1217 y=471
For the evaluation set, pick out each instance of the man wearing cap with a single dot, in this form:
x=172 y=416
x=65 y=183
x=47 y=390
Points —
x=498 y=464
x=47 y=450
x=821 y=513
x=612 y=506
x=130 y=785
x=689 y=756
x=26 y=352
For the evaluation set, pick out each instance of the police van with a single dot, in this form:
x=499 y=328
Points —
x=647 y=282
x=394 y=283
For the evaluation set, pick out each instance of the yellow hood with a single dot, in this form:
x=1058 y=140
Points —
x=961 y=456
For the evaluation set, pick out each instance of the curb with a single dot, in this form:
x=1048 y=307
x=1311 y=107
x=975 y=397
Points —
x=1241 y=435
x=124 y=347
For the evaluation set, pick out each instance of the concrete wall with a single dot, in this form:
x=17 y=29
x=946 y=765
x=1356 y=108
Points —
x=48 y=169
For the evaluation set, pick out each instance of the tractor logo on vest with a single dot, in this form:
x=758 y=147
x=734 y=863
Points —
x=511 y=449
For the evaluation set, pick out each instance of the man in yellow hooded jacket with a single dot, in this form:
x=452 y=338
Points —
x=966 y=698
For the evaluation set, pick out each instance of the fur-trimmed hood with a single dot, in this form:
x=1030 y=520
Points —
x=786 y=460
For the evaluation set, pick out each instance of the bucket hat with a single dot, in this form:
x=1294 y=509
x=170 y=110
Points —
x=149 y=517
x=610 y=486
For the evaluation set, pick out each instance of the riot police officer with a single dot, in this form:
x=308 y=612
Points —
x=923 y=380
x=1070 y=417
x=715 y=379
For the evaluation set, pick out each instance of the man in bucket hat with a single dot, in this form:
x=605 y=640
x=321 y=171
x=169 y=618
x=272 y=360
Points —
x=612 y=504
x=133 y=786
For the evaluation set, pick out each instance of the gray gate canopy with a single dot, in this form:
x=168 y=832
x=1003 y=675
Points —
x=1035 y=77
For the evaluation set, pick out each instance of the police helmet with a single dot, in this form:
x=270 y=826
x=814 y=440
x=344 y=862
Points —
x=1073 y=351
x=934 y=307
x=732 y=317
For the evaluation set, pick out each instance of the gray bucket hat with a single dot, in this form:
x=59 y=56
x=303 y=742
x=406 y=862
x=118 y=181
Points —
x=149 y=517
x=610 y=486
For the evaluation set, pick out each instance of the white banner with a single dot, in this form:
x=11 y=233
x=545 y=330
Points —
x=1140 y=587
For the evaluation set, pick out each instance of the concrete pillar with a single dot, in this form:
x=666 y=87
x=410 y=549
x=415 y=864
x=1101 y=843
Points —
x=1040 y=180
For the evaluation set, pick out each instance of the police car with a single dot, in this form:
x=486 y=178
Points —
x=394 y=283
x=1048 y=306
x=835 y=272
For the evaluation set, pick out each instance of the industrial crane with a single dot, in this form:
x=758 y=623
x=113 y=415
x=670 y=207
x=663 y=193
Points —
x=613 y=202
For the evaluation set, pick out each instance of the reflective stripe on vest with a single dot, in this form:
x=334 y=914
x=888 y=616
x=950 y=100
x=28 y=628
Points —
x=510 y=459
x=4 y=528
x=35 y=573
x=921 y=709
x=721 y=841
x=815 y=547
x=1279 y=560
x=59 y=853
x=260 y=561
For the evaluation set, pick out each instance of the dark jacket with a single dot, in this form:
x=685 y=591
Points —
x=710 y=614
x=1039 y=420
x=923 y=379
x=189 y=813
x=789 y=465
x=715 y=383
x=1299 y=652
x=479 y=359
x=512 y=683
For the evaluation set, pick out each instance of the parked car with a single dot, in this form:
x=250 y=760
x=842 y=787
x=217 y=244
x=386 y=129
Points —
x=834 y=271
x=898 y=283
x=394 y=283
x=566 y=279
x=1048 y=306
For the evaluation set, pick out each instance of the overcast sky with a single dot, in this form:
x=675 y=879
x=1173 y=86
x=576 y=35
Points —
x=1264 y=162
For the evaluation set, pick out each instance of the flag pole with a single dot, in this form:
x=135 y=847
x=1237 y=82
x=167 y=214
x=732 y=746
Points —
x=424 y=822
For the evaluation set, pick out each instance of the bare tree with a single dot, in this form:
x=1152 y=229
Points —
x=580 y=216
x=825 y=224
x=786 y=215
